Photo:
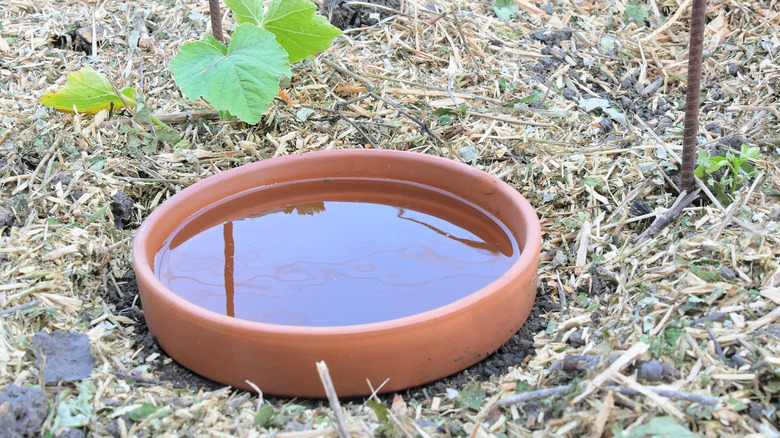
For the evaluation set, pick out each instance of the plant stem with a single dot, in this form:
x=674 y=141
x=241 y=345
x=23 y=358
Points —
x=216 y=20
x=698 y=10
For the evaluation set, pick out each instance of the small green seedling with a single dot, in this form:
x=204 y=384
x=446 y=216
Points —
x=243 y=77
x=505 y=9
x=738 y=169
x=88 y=92
x=240 y=79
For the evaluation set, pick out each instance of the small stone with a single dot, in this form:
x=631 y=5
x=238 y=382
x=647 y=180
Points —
x=754 y=411
x=727 y=273
x=90 y=34
x=735 y=142
x=606 y=125
x=664 y=124
x=575 y=339
x=569 y=93
x=652 y=87
x=72 y=432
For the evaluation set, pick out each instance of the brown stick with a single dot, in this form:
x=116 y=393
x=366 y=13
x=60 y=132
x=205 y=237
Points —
x=172 y=119
x=216 y=20
x=692 y=94
x=341 y=422
x=549 y=392
x=655 y=229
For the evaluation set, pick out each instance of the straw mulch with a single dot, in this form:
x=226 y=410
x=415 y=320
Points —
x=677 y=335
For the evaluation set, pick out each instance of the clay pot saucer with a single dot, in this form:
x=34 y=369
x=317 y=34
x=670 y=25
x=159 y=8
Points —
x=404 y=352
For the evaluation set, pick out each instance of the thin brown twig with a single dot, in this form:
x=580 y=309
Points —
x=465 y=42
x=716 y=344
x=341 y=422
x=173 y=118
x=669 y=393
x=14 y=309
x=562 y=296
x=433 y=87
x=137 y=378
x=665 y=219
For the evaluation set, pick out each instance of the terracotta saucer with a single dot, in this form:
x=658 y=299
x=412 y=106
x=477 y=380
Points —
x=401 y=352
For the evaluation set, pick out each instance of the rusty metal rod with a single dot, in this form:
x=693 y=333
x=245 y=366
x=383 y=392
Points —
x=216 y=20
x=693 y=89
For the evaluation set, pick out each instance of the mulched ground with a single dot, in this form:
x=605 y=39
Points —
x=576 y=104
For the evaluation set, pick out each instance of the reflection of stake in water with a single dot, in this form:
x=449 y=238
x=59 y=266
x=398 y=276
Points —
x=310 y=208
x=230 y=249
x=470 y=242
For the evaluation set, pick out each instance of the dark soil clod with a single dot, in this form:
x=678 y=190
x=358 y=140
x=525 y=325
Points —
x=23 y=412
x=122 y=208
x=7 y=219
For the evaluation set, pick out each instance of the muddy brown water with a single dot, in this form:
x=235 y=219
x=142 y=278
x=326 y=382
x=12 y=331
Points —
x=335 y=260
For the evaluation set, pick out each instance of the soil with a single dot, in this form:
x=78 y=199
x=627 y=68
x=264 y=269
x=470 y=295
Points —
x=344 y=15
x=23 y=412
x=179 y=376
x=512 y=354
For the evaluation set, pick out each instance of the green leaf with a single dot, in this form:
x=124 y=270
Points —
x=211 y=41
x=706 y=274
x=736 y=404
x=535 y=96
x=662 y=427
x=264 y=416
x=505 y=85
x=472 y=396
x=100 y=212
x=445 y=114
x=593 y=182
x=75 y=413
x=716 y=163
x=703 y=157
x=751 y=153
x=242 y=79
x=246 y=11
x=142 y=412
x=89 y=92
x=380 y=410
x=635 y=14
x=505 y=9
x=298 y=28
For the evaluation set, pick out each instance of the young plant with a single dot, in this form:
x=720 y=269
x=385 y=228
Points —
x=89 y=92
x=243 y=77
x=737 y=170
